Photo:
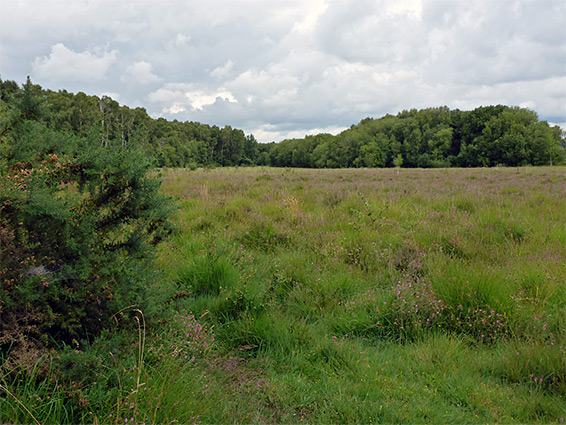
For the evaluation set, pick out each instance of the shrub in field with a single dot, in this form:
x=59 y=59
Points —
x=406 y=257
x=401 y=312
x=484 y=325
x=414 y=307
x=78 y=226
x=249 y=300
x=505 y=230
x=164 y=383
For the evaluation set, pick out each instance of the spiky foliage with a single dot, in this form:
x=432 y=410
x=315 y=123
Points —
x=78 y=223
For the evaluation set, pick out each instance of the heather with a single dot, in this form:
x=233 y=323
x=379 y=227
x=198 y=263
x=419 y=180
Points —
x=379 y=296
x=332 y=296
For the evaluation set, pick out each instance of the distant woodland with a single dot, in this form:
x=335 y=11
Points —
x=434 y=137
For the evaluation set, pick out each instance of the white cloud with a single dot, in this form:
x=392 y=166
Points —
x=63 y=64
x=266 y=85
x=223 y=71
x=412 y=8
x=171 y=99
x=517 y=94
x=140 y=73
x=113 y=95
x=177 y=98
x=182 y=40
x=266 y=133
x=199 y=99
x=314 y=9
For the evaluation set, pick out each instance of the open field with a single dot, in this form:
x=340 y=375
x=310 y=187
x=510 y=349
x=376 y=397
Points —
x=339 y=296
x=378 y=295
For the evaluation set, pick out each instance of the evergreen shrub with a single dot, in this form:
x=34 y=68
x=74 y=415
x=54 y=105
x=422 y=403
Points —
x=79 y=221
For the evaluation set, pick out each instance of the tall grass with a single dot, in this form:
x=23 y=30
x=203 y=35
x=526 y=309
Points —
x=340 y=296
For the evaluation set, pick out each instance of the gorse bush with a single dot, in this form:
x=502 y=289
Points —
x=78 y=223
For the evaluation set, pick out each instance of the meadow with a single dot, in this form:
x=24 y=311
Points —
x=339 y=296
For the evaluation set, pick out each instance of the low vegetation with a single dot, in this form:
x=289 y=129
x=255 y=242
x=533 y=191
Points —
x=332 y=296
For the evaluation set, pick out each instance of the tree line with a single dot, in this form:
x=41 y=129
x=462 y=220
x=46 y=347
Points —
x=434 y=137
x=170 y=143
x=486 y=136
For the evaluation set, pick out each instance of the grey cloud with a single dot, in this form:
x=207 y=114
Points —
x=493 y=42
x=368 y=32
x=280 y=69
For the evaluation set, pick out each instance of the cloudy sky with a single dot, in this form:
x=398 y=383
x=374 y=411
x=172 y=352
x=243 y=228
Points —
x=287 y=68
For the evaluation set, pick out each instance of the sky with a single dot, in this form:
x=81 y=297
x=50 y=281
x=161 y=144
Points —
x=288 y=68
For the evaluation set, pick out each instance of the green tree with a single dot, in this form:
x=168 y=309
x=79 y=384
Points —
x=439 y=147
x=371 y=155
x=250 y=151
x=506 y=138
x=398 y=161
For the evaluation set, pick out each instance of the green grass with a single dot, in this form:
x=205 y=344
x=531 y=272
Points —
x=336 y=296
